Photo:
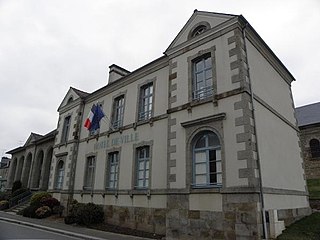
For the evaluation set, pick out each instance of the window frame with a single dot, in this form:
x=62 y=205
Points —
x=108 y=170
x=212 y=89
x=118 y=118
x=89 y=184
x=145 y=160
x=142 y=97
x=57 y=183
x=66 y=129
x=314 y=146
x=206 y=149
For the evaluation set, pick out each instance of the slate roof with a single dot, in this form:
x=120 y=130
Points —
x=308 y=114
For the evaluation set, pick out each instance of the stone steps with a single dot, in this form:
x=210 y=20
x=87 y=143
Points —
x=14 y=210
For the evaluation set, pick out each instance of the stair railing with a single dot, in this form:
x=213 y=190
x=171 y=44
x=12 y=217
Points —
x=20 y=198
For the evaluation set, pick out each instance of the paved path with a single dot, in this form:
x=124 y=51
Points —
x=69 y=230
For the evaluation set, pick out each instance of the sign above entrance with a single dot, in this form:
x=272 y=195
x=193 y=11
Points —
x=116 y=141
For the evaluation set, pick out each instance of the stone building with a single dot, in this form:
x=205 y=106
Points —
x=199 y=143
x=309 y=124
x=31 y=163
x=4 y=169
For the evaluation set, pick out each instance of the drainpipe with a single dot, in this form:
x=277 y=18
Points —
x=265 y=230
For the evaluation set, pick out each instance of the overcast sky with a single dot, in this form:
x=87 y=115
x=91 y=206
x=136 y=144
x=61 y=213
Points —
x=46 y=46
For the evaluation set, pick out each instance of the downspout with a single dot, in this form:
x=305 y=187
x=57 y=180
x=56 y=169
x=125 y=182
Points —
x=265 y=230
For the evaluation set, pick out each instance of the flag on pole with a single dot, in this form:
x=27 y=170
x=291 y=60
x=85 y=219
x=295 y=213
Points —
x=92 y=122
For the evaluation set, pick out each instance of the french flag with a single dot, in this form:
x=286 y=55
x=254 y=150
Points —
x=92 y=122
x=88 y=122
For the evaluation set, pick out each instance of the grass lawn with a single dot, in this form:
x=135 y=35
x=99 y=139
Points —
x=314 y=188
x=307 y=228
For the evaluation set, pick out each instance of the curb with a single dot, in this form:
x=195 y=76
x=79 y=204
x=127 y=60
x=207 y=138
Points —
x=72 y=234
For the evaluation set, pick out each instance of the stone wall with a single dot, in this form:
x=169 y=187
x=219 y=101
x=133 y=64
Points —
x=312 y=165
x=151 y=220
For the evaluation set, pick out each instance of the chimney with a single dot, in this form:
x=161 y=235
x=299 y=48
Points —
x=116 y=72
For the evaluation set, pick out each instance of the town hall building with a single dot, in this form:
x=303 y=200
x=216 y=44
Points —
x=200 y=143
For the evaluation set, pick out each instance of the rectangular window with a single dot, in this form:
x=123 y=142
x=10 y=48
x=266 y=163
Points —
x=65 y=130
x=118 y=112
x=113 y=170
x=202 y=78
x=89 y=174
x=145 y=102
x=142 y=167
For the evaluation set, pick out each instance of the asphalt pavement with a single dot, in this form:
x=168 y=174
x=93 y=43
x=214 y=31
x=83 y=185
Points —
x=62 y=228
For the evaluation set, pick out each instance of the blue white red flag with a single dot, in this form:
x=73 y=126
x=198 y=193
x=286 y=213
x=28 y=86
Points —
x=93 y=120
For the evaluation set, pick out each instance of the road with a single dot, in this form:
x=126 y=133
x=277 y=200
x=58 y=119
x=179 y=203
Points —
x=15 y=231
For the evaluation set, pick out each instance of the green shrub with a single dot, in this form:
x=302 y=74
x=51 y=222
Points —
x=58 y=210
x=50 y=202
x=4 y=204
x=5 y=195
x=16 y=185
x=36 y=198
x=85 y=214
x=30 y=211
x=43 y=212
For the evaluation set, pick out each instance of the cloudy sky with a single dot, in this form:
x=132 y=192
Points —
x=46 y=46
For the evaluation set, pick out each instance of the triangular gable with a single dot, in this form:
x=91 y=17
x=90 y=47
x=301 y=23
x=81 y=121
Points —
x=197 y=17
x=73 y=94
x=32 y=138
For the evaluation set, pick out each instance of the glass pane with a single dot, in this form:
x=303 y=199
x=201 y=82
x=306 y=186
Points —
x=147 y=164
x=218 y=154
x=201 y=143
x=213 y=178
x=147 y=152
x=213 y=140
x=199 y=66
x=208 y=74
x=200 y=77
x=141 y=175
x=219 y=178
x=200 y=157
x=201 y=168
x=140 y=183
x=147 y=175
x=208 y=62
x=218 y=164
x=201 y=179
x=146 y=183
x=151 y=89
x=112 y=177
x=141 y=165
x=212 y=155
x=112 y=169
x=213 y=167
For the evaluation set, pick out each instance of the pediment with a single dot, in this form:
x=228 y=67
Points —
x=32 y=138
x=198 y=18
x=72 y=95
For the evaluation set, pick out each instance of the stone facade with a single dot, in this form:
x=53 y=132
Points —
x=201 y=161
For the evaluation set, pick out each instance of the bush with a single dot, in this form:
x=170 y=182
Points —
x=30 y=211
x=58 y=210
x=85 y=214
x=36 y=198
x=16 y=185
x=43 y=212
x=50 y=202
x=4 y=204
x=5 y=195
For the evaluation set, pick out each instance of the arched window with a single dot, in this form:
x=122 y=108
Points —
x=199 y=30
x=59 y=175
x=314 y=148
x=207 y=160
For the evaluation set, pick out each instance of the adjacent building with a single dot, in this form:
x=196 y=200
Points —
x=200 y=143
x=4 y=169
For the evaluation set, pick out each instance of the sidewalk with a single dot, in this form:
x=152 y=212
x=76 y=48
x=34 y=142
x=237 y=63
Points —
x=70 y=230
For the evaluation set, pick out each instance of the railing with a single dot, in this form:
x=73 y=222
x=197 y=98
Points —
x=202 y=93
x=20 y=198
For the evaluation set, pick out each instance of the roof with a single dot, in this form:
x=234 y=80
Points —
x=81 y=94
x=308 y=114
